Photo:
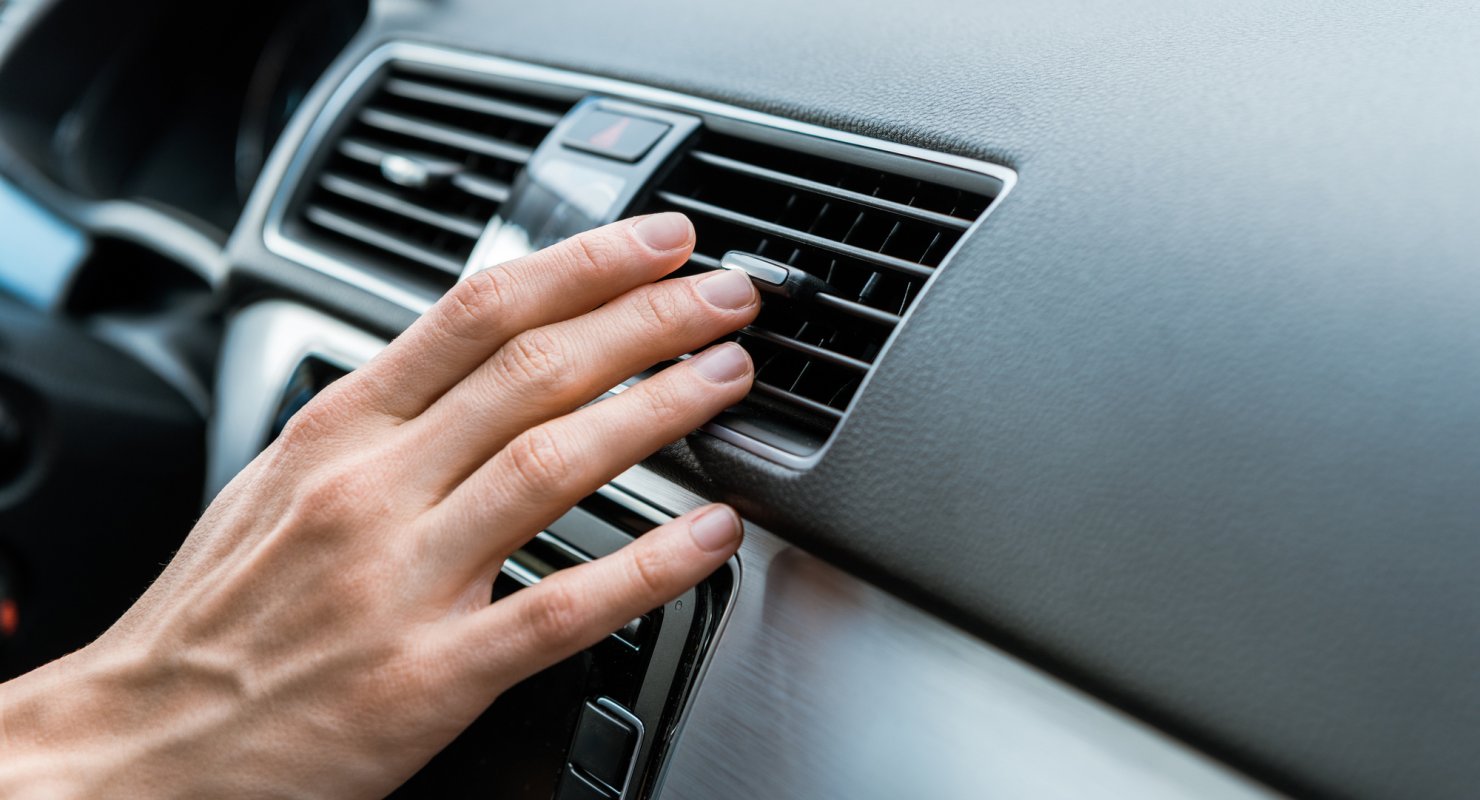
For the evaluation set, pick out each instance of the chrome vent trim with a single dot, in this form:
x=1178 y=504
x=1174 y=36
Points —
x=404 y=169
x=421 y=168
x=719 y=117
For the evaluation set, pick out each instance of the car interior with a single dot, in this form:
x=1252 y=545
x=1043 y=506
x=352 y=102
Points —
x=1116 y=424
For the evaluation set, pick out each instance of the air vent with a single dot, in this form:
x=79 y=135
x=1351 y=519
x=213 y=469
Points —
x=420 y=169
x=873 y=226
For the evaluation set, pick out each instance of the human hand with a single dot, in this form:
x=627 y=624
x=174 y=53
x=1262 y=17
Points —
x=326 y=627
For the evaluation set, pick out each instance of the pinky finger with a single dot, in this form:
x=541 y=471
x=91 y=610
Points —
x=573 y=609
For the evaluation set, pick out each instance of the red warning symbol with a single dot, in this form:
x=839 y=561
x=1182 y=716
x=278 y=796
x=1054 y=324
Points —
x=607 y=139
x=10 y=617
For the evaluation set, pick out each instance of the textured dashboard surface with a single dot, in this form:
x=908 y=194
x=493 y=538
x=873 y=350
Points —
x=1196 y=418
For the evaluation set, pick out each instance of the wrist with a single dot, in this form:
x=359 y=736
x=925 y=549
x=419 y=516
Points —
x=42 y=734
x=95 y=722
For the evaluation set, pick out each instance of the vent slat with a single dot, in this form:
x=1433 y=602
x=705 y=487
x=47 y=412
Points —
x=492 y=106
x=828 y=190
x=385 y=201
x=471 y=139
x=344 y=226
x=364 y=152
x=879 y=260
x=859 y=310
x=852 y=308
x=427 y=130
x=374 y=155
x=476 y=185
x=819 y=353
x=870 y=225
x=707 y=262
x=479 y=186
x=785 y=396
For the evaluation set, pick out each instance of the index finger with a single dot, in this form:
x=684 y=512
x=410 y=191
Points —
x=483 y=311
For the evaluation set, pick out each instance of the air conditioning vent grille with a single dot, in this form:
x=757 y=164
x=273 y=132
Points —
x=422 y=166
x=874 y=234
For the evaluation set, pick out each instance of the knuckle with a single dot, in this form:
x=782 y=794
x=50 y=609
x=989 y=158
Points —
x=312 y=423
x=538 y=457
x=593 y=252
x=650 y=568
x=332 y=422
x=591 y=256
x=301 y=429
x=334 y=495
x=665 y=401
x=554 y=614
x=535 y=357
x=477 y=299
x=662 y=311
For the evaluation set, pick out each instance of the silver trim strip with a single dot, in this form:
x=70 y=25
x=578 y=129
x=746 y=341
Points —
x=629 y=792
x=281 y=244
x=518 y=573
x=527 y=577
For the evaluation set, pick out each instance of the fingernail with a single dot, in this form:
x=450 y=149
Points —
x=667 y=231
x=716 y=529
x=728 y=288
x=722 y=364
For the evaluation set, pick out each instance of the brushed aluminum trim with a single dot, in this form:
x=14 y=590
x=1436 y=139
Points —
x=283 y=245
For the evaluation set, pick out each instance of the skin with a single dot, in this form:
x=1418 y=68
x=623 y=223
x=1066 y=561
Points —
x=326 y=627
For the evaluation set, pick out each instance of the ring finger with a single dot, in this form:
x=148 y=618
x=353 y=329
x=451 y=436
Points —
x=549 y=467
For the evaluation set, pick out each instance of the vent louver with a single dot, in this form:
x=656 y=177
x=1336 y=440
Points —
x=420 y=169
x=873 y=226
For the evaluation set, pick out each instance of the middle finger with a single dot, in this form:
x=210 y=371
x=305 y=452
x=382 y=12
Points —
x=549 y=371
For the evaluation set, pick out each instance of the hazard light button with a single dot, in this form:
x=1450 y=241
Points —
x=616 y=136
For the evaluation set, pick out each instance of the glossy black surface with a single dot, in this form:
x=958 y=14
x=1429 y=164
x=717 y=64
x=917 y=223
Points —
x=563 y=190
x=602 y=746
x=622 y=137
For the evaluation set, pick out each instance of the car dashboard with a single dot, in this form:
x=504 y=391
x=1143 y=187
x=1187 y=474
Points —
x=1113 y=426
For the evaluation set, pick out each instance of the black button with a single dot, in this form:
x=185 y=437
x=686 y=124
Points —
x=615 y=136
x=574 y=786
x=603 y=745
